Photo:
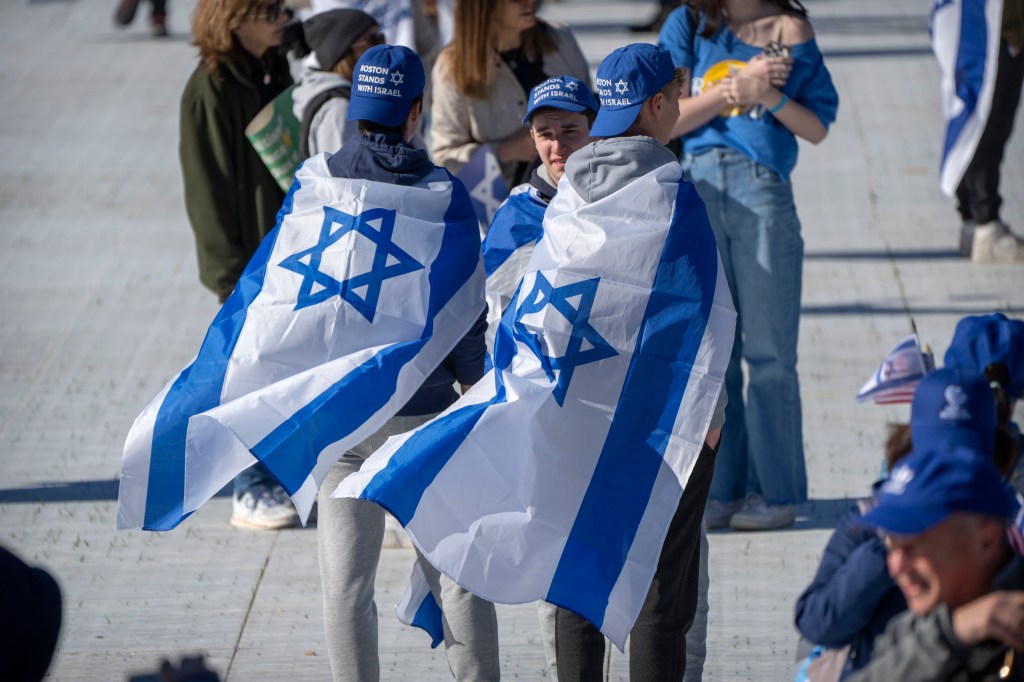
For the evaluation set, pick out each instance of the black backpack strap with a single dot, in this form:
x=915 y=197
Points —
x=313 y=107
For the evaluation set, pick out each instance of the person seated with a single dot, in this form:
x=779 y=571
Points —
x=943 y=514
x=852 y=598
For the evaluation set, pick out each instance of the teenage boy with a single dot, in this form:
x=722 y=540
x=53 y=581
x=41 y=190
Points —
x=560 y=113
x=639 y=92
x=387 y=102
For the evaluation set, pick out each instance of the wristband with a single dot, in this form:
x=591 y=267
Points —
x=782 y=103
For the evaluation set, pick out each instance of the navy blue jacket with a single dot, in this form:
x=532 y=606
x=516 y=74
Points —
x=390 y=159
x=852 y=598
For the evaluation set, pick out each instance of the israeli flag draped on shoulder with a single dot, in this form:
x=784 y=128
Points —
x=965 y=38
x=557 y=475
x=353 y=299
x=517 y=226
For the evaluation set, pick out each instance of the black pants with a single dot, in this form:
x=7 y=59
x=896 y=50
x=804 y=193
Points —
x=657 y=642
x=978 y=192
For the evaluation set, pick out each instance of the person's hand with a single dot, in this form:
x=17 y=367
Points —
x=999 y=615
x=517 y=147
x=756 y=82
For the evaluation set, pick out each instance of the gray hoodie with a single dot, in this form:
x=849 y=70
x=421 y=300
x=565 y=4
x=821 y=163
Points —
x=330 y=125
x=607 y=166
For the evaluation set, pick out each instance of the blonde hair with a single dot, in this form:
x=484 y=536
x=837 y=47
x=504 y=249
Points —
x=213 y=26
x=470 y=55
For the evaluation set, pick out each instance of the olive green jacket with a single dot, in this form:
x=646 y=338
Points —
x=230 y=197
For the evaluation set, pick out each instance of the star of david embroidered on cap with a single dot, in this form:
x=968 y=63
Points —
x=385 y=82
x=389 y=260
x=953 y=406
x=574 y=302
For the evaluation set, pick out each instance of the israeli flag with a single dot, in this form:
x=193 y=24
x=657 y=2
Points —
x=482 y=176
x=557 y=475
x=353 y=299
x=965 y=38
x=419 y=608
x=516 y=227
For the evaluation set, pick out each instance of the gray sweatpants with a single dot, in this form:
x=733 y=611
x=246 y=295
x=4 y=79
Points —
x=349 y=535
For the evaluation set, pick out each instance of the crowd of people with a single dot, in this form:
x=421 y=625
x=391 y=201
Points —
x=722 y=99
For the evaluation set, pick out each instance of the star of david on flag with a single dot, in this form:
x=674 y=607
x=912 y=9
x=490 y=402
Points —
x=482 y=177
x=574 y=302
x=331 y=329
x=389 y=260
x=557 y=475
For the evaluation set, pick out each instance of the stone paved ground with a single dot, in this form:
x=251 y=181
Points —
x=101 y=306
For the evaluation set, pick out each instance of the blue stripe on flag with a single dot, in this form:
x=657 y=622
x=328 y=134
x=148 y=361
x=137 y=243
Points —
x=518 y=222
x=607 y=521
x=413 y=467
x=198 y=388
x=971 y=57
x=290 y=452
x=428 y=618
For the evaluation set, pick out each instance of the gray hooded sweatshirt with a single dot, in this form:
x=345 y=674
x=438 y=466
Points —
x=607 y=166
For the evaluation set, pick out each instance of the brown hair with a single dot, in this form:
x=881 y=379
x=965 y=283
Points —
x=1004 y=453
x=713 y=12
x=470 y=55
x=213 y=25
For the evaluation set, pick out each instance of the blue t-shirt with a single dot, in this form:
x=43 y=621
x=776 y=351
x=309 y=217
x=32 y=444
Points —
x=755 y=132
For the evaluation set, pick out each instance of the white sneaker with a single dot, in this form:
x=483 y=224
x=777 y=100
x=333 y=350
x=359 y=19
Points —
x=995 y=243
x=265 y=507
x=718 y=514
x=756 y=515
x=395 y=536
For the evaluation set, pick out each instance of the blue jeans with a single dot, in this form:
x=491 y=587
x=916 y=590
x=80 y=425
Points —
x=255 y=476
x=752 y=212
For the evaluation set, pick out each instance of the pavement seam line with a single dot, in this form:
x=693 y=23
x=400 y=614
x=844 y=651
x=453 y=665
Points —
x=252 y=601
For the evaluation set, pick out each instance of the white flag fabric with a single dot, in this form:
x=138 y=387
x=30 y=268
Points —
x=965 y=38
x=557 y=475
x=896 y=379
x=516 y=227
x=353 y=299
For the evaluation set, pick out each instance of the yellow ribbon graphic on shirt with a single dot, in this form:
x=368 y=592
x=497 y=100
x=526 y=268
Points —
x=720 y=71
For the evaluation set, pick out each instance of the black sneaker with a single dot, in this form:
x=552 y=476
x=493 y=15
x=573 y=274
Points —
x=125 y=12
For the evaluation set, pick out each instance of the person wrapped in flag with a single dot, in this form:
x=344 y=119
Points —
x=354 y=319
x=559 y=114
x=852 y=598
x=577 y=470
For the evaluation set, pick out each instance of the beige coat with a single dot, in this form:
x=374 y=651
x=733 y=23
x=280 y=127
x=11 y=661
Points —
x=460 y=124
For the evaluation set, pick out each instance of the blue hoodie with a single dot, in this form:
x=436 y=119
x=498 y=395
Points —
x=852 y=598
x=390 y=159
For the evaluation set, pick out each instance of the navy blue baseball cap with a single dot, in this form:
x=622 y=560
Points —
x=564 y=92
x=983 y=340
x=627 y=77
x=386 y=80
x=929 y=485
x=955 y=407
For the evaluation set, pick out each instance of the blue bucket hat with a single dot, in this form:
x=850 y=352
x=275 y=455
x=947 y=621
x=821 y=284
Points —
x=386 y=80
x=982 y=340
x=929 y=485
x=625 y=79
x=564 y=92
x=953 y=407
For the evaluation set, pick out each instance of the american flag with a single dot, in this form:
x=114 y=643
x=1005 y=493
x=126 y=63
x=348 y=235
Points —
x=896 y=378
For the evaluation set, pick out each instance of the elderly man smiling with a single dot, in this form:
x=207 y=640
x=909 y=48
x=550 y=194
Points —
x=943 y=516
